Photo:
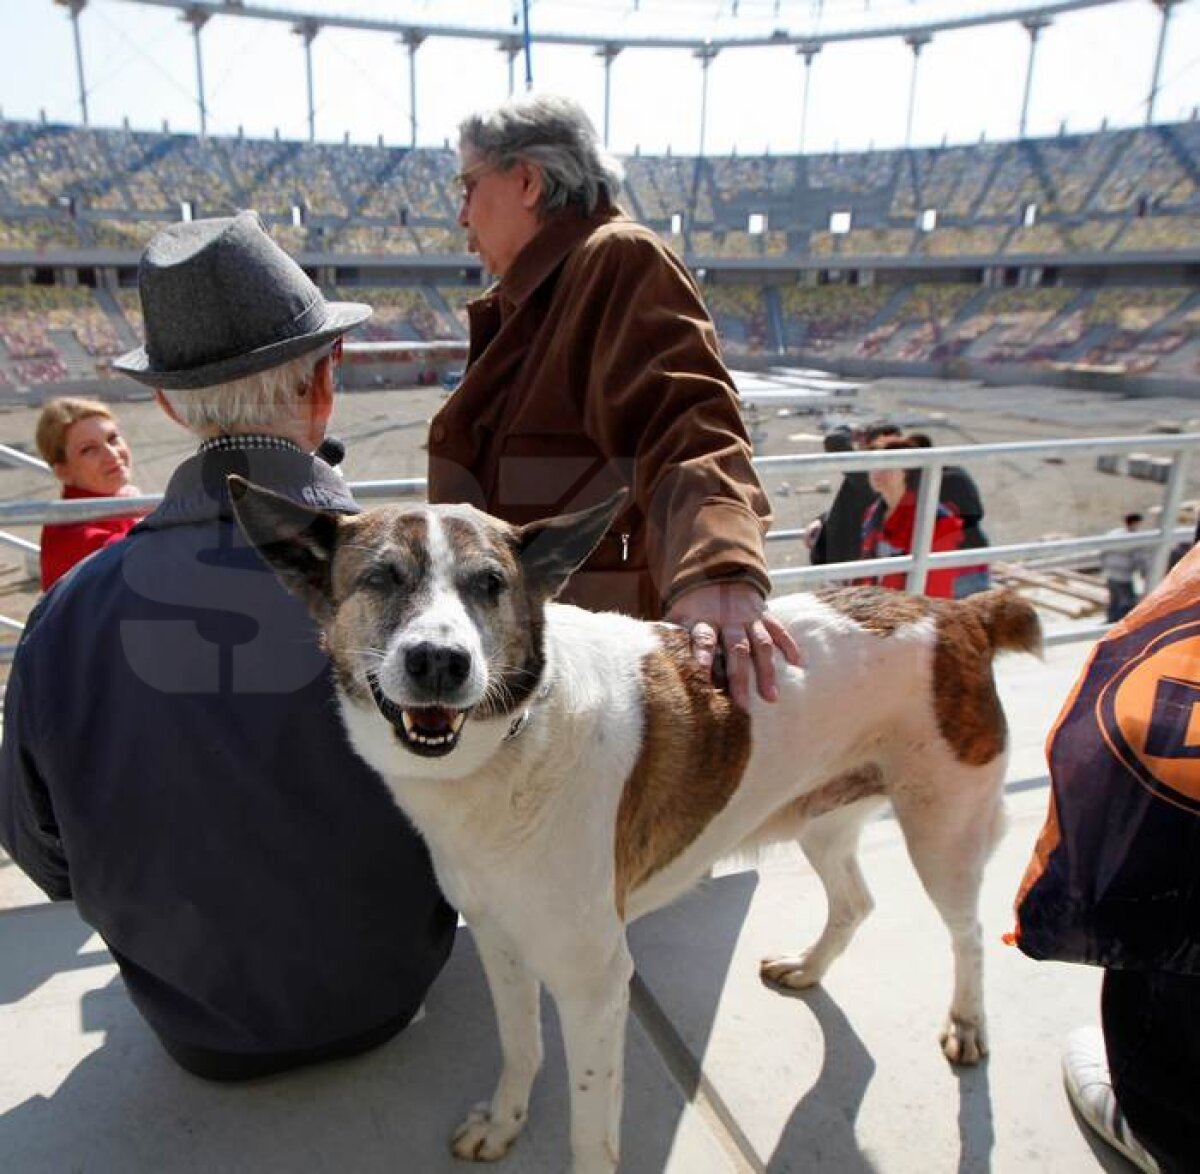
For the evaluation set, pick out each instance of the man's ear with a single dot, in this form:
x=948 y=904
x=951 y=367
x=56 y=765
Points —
x=167 y=406
x=532 y=185
x=319 y=398
x=295 y=541
x=552 y=549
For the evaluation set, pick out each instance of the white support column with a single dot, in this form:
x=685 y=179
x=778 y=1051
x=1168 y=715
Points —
x=916 y=42
x=1165 y=6
x=308 y=29
x=198 y=18
x=75 y=7
x=1033 y=25
x=705 y=56
x=511 y=46
x=808 y=50
x=607 y=53
x=414 y=39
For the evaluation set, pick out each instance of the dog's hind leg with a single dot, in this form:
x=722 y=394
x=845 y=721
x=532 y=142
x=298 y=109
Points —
x=950 y=832
x=490 y=1129
x=593 y=1009
x=830 y=842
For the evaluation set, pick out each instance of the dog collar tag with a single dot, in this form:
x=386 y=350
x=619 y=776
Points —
x=518 y=724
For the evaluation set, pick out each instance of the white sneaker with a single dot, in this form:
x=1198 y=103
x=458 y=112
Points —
x=1085 y=1073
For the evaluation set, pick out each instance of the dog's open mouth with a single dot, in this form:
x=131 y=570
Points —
x=430 y=730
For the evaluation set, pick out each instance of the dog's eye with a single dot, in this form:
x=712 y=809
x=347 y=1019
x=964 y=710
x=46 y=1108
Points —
x=382 y=577
x=488 y=585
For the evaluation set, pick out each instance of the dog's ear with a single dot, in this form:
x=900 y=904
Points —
x=552 y=549
x=295 y=541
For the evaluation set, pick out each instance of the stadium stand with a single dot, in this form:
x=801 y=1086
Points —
x=863 y=242
x=740 y=314
x=829 y=319
x=1159 y=234
x=915 y=271
x=130 y=307
x=1005 y=324
x=456 y=298
x=407 y=314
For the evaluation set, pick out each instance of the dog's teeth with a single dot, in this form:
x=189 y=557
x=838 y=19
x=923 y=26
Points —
x=408 y=722
x=458 y=722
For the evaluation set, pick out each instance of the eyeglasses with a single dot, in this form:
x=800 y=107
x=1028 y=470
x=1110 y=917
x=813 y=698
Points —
x=468 y=180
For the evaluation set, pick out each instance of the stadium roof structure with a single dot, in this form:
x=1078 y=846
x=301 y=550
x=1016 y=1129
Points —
x=713 y=27
x=646 y=24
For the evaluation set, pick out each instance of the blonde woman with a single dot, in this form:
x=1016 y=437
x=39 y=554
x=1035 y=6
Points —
x=82 y=442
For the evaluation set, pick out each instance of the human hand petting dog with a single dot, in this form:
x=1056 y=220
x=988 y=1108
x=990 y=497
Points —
x=734 y=617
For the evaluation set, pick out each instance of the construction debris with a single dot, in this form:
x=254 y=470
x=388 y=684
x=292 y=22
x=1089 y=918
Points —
x=1071 y=593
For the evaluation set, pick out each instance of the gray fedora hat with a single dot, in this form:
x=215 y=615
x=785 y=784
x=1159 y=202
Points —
x=221 y=300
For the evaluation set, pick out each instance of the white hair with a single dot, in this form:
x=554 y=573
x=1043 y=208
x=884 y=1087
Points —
x=268 y=399
x=556 y=135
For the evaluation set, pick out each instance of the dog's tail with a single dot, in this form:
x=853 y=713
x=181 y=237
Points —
x=1011 y=623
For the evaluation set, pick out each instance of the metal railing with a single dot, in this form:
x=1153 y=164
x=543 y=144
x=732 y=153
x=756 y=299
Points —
x=916 y=566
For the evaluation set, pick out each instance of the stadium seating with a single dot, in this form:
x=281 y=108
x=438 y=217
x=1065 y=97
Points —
x=457 y=297
x=1006 y=323
x=739 y=312
x=1159 y=234
x=30 y=315
x=69 y=186
x=405 y=313
x=828 y=318
x=862 y=242
x=72 y=196
x=953 y=241
x=1148 y=169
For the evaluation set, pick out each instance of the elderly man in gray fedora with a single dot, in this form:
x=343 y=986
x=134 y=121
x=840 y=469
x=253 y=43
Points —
x=172 y=757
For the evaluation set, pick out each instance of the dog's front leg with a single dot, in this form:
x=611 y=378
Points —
x=593 y=1015
x=490 y=1129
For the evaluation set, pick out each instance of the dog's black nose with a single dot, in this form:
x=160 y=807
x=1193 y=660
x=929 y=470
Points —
x=436 y=667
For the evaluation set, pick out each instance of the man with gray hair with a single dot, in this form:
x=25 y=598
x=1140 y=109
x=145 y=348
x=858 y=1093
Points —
x=172 y=756
x=594 y=366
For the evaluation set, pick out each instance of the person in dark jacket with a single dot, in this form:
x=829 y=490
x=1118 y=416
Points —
x=839 y=539
x=172 y=757
x=594 y=367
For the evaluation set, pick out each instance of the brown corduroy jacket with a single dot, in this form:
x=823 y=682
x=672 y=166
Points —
x=594 y=365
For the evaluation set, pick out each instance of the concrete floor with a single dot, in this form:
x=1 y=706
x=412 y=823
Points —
x=723 y=1073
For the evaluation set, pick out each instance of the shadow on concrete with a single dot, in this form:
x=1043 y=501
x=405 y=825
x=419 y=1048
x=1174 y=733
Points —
x=820 y=1133
x=698 y=966
x=87 y=1086
x=976 y=1128
x=35 y=948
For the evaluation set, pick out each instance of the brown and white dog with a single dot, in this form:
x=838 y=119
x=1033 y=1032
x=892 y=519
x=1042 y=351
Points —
x=572 y=771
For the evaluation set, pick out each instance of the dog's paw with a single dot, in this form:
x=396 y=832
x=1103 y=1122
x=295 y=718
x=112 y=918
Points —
x=963 y=1041
x=796 y=973
x=483 y=1138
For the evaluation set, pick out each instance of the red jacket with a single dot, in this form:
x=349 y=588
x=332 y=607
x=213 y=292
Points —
x=65 y=544
x=887 y=535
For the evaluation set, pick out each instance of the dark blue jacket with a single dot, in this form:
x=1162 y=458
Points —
x=173 y=760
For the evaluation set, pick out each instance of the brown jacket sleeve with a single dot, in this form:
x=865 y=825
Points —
x=656 y=390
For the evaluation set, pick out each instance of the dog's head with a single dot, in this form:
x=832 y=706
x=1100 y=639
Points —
x=433 y=616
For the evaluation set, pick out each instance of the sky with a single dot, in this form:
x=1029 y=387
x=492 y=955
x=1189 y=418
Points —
x=139 y=62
